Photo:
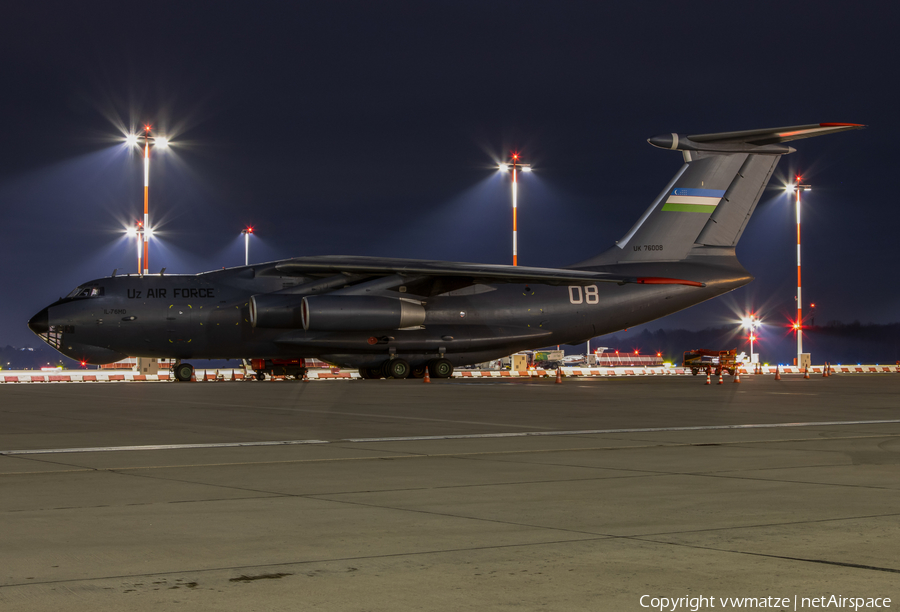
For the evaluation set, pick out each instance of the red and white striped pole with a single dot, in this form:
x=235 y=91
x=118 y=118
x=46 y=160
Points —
x=515 y=193
x=799 y=323
x=139 y=232
x=146 y=232
x=516 y=165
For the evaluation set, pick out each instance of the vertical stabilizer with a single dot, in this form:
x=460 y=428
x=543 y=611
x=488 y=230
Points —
x=706 y=206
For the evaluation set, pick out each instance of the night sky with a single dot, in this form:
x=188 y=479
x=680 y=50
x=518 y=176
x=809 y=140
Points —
x=372 y=129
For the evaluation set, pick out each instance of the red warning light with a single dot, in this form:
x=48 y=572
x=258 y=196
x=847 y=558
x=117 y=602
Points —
x=635 y=351
x=83 y=363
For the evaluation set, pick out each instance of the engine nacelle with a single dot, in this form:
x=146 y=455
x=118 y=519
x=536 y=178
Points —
x=359 y=313
x=275 y=311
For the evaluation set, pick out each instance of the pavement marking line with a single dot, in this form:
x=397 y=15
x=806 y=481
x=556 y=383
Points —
x=582 y=432
x=105 y=449
x=533 y=451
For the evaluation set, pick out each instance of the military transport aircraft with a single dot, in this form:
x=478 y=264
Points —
x=397 y=317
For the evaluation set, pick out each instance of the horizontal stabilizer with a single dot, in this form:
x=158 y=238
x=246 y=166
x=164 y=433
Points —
x=768 y=140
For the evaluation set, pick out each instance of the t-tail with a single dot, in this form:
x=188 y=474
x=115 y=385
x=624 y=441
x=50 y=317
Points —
x=706 y=206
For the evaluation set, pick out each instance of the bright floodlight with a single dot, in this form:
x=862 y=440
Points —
x=131 y=231
x=789 y=188
x=526 y=169
x=503 y=167
x=148 y=233
x=131 y=140
x=750 y=322
x=161 y=141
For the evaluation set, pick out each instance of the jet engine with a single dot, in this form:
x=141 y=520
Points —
x=275 y=311
x=359 y=313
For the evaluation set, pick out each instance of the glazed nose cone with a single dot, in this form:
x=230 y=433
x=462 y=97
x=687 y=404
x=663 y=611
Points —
x=40 y=323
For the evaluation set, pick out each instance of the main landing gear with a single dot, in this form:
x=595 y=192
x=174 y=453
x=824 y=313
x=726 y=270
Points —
x=183 y=372
x=400 y=368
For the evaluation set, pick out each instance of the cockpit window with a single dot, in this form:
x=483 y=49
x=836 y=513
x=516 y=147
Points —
x=83 y=292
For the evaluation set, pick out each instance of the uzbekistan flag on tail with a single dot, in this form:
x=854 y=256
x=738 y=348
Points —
x=683 y=199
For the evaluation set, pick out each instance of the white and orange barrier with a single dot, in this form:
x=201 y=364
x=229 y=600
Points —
x=33 y=376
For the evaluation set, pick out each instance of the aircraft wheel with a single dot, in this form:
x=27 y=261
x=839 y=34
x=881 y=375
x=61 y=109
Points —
x=183 y=372
x=694 y=372
x=396 y=368
x=418 y=371
x=260 y=376
x=440 y=368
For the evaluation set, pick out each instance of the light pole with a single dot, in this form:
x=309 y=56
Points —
x=138 y=231
x=751 y=323
x=246 y=232
x=798 y=324
x=145 y=231
x=516 y=166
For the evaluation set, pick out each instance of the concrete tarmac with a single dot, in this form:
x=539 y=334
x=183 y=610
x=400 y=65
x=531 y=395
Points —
x=459 y=495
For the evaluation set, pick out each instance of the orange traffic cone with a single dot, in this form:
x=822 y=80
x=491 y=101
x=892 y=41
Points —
x=737 y=376
x=777 y=373
x=721 y=377
x=806 y=372
x=427 y=378
x=708 y=374
x=558 y=376
x=193 y=376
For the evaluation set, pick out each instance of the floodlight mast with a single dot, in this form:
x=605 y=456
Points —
x=146 y=198
x=246 y=232
x=751 y=323
x=798 y=325
x=516 y=165
x=138 y=232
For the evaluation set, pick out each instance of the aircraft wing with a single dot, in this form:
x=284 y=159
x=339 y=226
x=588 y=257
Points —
x=474 y=273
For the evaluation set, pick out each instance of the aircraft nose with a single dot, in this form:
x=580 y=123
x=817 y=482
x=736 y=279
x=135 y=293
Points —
x=40 y=323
